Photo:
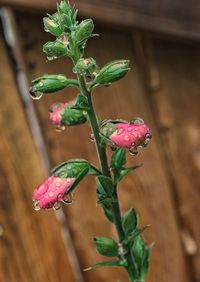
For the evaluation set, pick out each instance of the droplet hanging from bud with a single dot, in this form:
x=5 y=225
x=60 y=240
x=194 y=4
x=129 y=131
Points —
x=35 y=95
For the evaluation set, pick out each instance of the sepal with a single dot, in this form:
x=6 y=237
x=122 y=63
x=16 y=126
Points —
x=56 y=49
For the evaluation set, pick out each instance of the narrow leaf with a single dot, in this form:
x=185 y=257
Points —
x=106 y=263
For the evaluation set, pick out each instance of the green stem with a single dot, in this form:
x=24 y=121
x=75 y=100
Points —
x=131 y=269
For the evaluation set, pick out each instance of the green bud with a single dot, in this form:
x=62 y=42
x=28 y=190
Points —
x=52 y=26
x=111 y=72
x=84 y=31
x=48 y=84
x=106 y=246
x=72 y=116
x=56 y=49
x=86 y=66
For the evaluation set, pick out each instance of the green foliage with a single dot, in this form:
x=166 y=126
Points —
x=141 y=253
x=49 y=83
x=129 y=221
x=111 y=72
x=106 y=246
x=81 y=103
x=117 y=165
x=72 y=117
x=107 y=263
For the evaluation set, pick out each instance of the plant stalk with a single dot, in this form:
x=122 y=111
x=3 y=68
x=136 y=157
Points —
x=131 y=268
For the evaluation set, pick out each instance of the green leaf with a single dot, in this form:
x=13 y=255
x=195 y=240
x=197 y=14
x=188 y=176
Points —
x=107 y=210
x=107 y=263
x=81 y=103
x=82 y=174
x=118 y=160
x=106 y=246
x=124 y=171
x=105 y=186
x=145 y=261
x=129 y=221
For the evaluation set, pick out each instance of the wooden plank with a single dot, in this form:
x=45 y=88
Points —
x=177 y=18
x=176 y=99
x=148 y=189
x=31 y=244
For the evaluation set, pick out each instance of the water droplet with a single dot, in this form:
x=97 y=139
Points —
x=50 y=58
x=35 y=95
x=46 y=29
x=68 y=199
x=36 y=206
x=56 y=206
x=133 y=151
x=60 y=128
x=148 y=136
x=92 y=137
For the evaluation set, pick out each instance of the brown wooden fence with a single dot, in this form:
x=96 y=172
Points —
x=163 y=87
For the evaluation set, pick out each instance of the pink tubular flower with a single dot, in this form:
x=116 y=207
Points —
x=130 y=135
x=55 y=113
x=125 y=134
x=51 y=192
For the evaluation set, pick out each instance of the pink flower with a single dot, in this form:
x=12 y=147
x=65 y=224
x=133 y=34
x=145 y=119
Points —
x=130 y=135
x=51 y=192
x=55 y=113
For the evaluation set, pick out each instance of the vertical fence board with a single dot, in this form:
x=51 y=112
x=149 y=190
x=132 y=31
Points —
x=147 y=189
x=177 y=102
x=31 y=244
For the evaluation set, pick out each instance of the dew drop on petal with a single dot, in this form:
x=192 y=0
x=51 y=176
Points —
x=36 y=206
x=133 y=151
x=56 y=206
x=60 y=128
x=35 y=95
x=50 y=58
x=46 y=29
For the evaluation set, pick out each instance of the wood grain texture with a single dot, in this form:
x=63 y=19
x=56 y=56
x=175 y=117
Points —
x=177 y=103
x=31 y=245
x=148 y=189
x=179 y=18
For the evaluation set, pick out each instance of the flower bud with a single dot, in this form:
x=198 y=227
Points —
x=48 y=84
x=106 y=246
x=86 y=66
x=111 y=72
x=61 y=114
x=129 y=135
x=56 y=49
x=84 y=31
x=53 y=191
x=52 y=26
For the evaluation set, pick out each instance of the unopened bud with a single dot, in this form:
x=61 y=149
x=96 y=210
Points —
x=52 y=26
x=49 y=83
x=84 y=31
x=106 y=246
x=56 y=49
x=86 y=66
x=111 y=72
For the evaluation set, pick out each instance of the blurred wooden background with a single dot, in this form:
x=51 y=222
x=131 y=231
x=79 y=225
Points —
x=163 y=87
